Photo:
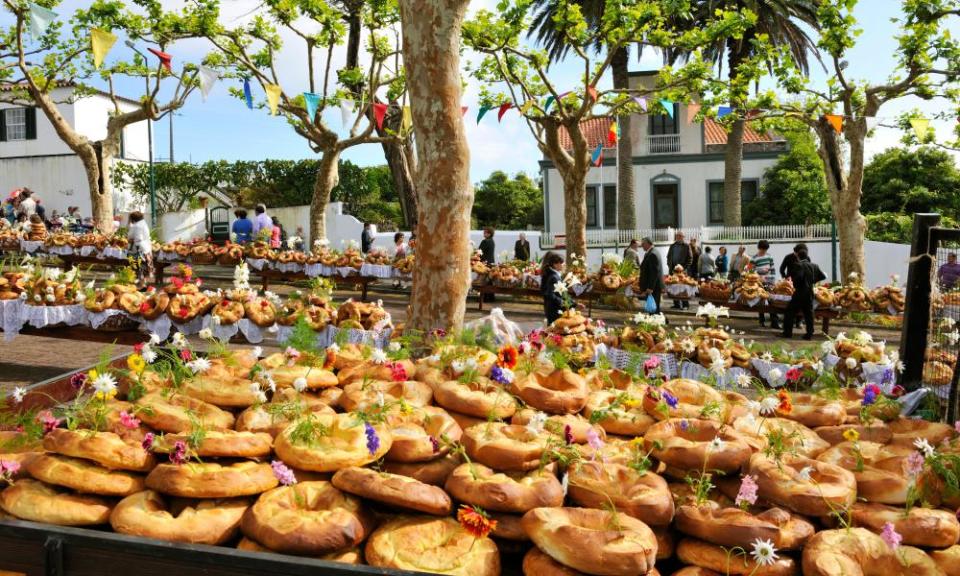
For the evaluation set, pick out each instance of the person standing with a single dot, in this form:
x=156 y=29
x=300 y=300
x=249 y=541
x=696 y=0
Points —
x=138 y=234
x=949 y=274
x=651 y=273
x=706 y=267
x=694 y=267
x=242 y=227
x=678 y=255
x=738 y=263
x=805 y=275
x=632 y=255
x=399 y=246
x=262 y=224
x=721 y=262
x=366 y=238
x=521 y=249
x=764 y=266
x=28 y=205
x=488 y=249
x=554 y=303
x=277 y=235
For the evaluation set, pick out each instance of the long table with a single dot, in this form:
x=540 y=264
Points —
x=825 y=315
x=72 y=260
x=276 y=275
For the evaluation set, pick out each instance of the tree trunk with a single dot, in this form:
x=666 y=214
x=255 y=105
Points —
x=845 y=192
x=328 y=176
x=353 y=34
x=732 y=170
x=431 y=49
x=575 y=211
x=626 y=202
x=400 y=168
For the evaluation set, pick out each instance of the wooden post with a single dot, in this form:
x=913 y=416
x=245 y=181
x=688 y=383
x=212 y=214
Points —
x=916 y=314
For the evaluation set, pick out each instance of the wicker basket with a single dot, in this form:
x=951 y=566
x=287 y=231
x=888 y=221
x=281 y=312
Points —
x=206 y=258
x=118 y=323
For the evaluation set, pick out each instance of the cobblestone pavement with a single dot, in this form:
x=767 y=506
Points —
x=29 y=359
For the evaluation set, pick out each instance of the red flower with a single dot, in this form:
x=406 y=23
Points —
x=186 y=355
x=397 y=372
x=144 y=307
x=475 y=521
x=177 y=282
x=138 y=347
x=264 y=304
x=793 y=375
x=507 y=357
x=184 y=312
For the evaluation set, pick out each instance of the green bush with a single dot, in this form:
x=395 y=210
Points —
x=894 y=227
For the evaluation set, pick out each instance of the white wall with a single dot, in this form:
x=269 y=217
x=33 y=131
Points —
x=58 y=181
x=185 y=226
x=47 y=142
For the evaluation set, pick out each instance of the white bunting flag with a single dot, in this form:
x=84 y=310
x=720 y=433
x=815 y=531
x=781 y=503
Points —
x=208 y=77
x=346 y=112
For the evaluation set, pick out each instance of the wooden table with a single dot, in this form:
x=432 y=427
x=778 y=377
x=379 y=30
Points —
x=71 y=260
x=123 y=337
x=276 y=275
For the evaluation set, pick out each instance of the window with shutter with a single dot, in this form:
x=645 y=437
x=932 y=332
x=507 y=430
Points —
x=30 y=123
x=15 y=124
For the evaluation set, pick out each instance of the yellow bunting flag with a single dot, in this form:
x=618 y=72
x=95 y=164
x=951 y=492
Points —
x=101 y=41
x=406 y=121
x=836 y=121
x=273 y=97
x=920 y=127
x=526 y=107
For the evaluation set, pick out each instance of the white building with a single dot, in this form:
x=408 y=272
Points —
x=33 y=156
x=678 y=170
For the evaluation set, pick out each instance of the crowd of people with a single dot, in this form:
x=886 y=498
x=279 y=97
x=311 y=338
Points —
x=265 y=228
x=22 y=211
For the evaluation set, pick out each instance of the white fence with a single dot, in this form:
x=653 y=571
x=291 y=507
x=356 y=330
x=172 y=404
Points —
x=614 y=238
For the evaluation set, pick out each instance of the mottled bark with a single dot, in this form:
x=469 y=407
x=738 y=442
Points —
x=732 y=170
x=626 y=201
x=573 y=167
x=328 y=175
x=575 y=211
x=431 y=49
x=846 y=188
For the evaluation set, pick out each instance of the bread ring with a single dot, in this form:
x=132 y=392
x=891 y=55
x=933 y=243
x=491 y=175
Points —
x=228 y=311
x=179 y=412
x=857 y=551
x=554 y=392
x=645 y=497
x=692 y=396
x=224 y=392
x=689 y=446
x=290 y=312
x=734 y=527
x=362 y=395
x=882 y=476
x=394 y=490
x=593 y=541
x=924 y=527
x=212 y=480
x=273 y=418
x=512 y=492
x=829 y=489
x=316 y=377
x=948 y=560
x=437 y=545
x=83 y=476
x=130 y=302
x=813 y=411
x=105 y=448
x=481 y=398
x=417 y=434
x=558 y=423
x=329 y=442
x=102 y=300
x=504 y=446
x=308 y=518
x=38 y=502
x=371 y=371
x=146 y=514
x=317 y=317
x=260 y=311
x=719 y=559
x=619 y=412
x=154 y=305
x=185 y=307
x=434 y=472
x=907 y=430
x=876 y=431
x=796 y=438
x=221 y=444
x=536 y=563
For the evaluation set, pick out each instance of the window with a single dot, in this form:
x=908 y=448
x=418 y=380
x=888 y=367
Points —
x=661 y=124
x=609 y=206
x=608 y=200
x=748 y=192
x=18 y=124
x=591 y=206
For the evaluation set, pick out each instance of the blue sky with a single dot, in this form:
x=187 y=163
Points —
x=223 y=128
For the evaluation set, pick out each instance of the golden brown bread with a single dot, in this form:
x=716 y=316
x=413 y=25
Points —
x=83 y=476
x=859 y=552
x=393 y=489
x=329 y=442
x=925 y=527
x=38 y=502
x=105 y=448
x=554 y=391
x=830 y=488
x=221 y=444
x=513 y=492
x=735 y=527
x=504 y=446
x=726 y=561
x=179 y=413
x=646 y=497
x=212 y=480
x=147 y=514
x=436 y=545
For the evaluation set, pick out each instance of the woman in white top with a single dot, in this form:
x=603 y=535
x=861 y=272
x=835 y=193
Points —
x=141 y=247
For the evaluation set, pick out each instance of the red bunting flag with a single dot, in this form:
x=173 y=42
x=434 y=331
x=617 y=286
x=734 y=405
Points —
x=379 y=112
x=503 y=110
x=164 y=58
x=593 y=93
x=613 y=134
x=463 y=110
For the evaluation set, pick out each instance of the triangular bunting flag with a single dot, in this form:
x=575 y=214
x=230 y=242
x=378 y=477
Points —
x=208 y=77
x=164 y=58
x=483 y=110
x=613 y=134
x=526 y=107
x=273 y=97
x=692 y=111
x=597 y=157
x=546 y=105
x=592 y=92
x=724 y=111
x=463 y=110
x=668 y=106
x=503 y=110
x=346 y=112
x=920 y=127
x=40 y=19
x=641 y=101
x=379 y=113
x=101 y=41
x=247 y=93
x=406 y=120
x=872 y=122
x=311 y=101
x=836 y=121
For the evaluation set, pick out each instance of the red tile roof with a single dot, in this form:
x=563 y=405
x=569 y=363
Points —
x=595 y=131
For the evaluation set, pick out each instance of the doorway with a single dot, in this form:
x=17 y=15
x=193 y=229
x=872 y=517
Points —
x=666 y=204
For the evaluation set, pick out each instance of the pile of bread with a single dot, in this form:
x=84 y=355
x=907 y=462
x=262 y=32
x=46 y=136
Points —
x=679 y=276
x=716 y=290
x=750 y=289
x=359 y=455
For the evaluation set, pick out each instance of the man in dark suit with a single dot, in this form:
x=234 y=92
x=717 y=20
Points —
x=679 y=255
x=521 y=250
x=651 y=273
x=805 y=275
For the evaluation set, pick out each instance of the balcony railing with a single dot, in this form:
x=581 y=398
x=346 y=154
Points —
x=663 y=144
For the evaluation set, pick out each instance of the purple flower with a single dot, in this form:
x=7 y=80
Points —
x=147 y=442
x=684 y=425
x=669 y=398
x=891 y=536
x=501 y=375
x=747 y=495
x=373 y=441
x=436 y=444
x=78 y=380
x=593 y=439
x=870 y=393
x=568 y=434
x=283 y=474
x=915 y=464
x=179 y=454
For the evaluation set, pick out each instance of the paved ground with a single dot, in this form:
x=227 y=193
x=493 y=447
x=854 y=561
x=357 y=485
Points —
x=29 y=359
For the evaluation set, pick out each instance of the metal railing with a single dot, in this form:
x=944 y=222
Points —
x=663 y=144
x=603 y=238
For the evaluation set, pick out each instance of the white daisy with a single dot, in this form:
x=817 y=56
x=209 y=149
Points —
x=105 y=385
x=148 y=354
x=768 y=406
x=378 y=356
x=805 y=473
x=206 y=334
x=178 y=340
x=199 y=365
x=716 y=443
x=764 y=553
x=744 y=380
x=393 y=346
x=767 y=357
x=537 y=422
x=154 y=339
x=850 y=363
x=300 y=384
x=688 y=346
x=18 y=394
x=924 y=447
x=457 y=366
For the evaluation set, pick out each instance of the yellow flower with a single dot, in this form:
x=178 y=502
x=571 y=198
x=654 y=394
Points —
x=92 y=375
x=638 y=441
x=851 y=435
x=136 y=363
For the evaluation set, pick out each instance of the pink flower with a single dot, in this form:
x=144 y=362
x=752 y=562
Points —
x=282 y=473
x=292 y=352
x=48 y=420
x=651 y=364
x=890 y=536
x=127 y=420
x=179 y=454
x=138 y=347
x=9 y=467
x=915 y=464
x=397 y=372
x=593 y=439
x=186 y=355
x=748 y=492
x=147 y=443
